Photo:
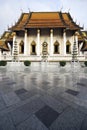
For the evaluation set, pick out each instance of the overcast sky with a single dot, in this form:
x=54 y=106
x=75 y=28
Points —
x=10 y=10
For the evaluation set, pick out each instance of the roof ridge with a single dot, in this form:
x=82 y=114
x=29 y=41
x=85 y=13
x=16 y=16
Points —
x=60 y=14
x=73 y=21
x=46 y=12
x=30 y=14
x=20 y=18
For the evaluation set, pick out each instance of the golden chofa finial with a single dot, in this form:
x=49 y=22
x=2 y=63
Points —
x=61 y=9
x=68 y=10
x=29 y=10
x=83 y=26
x=7 y=26
x=21 y=10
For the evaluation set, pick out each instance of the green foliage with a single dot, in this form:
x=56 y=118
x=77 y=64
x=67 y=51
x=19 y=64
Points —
x=27 y=63
x=3 y=63
x=62 y=63
x=85 y=63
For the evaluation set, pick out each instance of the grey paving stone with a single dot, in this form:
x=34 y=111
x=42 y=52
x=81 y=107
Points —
x=32 y=106
x=84 y=124
x=6 y=89
x=31 y=124
x=5 y=78
x=81 y=84
x=11 y=83
x=45 y=87
x=56 y=91
x=57 y=105
x=47 y=115
x=83 y=80
x=82 y=109
x=2 y=104
x=33 y=78
x=19 y=116
x=72 y=92
x=70 y=98
x=70 y=119
x=18 y=105
x=6 y=123
x=10 y=98
x=29 y=94
x=45 y=82
x=20 y=91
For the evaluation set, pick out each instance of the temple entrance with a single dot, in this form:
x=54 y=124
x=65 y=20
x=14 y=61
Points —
x=44 y=51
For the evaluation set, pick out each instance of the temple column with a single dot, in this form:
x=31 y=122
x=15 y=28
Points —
x=80 y=46
x=64 y=42
x=0 y=54
x=76 y=40
x=14 y=40
x=38 y=43
x=51 y=42
x=25 y=43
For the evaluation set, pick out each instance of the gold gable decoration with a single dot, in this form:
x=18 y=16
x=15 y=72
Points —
x=56 y=43
x=21 y=43
x=68 y=42
x=33 y=43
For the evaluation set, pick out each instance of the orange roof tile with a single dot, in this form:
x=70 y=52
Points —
x=84 y=47
x=21 y=22
x=7 y=36
x=3 y=45
x=69 y=21
x=82 y=35
x=45 y=20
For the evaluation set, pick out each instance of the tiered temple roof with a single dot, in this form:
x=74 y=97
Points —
x=39 y=20
x=21 y=22
x=82 y=37
x=45 y=20
x=6 y=37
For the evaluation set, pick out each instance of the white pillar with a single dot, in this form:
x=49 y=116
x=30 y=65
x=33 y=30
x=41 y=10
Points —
x=38 y=43
x=14 y=40
x=0 y=54
x=51 y=42
x=25 y=43
x=64 y=42
x=80 y=46
x=76 y=40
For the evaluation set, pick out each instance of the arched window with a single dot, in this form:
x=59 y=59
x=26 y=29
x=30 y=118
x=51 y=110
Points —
x=33 y=48
x=68 y=47
x=56 y=47
x=21 y=47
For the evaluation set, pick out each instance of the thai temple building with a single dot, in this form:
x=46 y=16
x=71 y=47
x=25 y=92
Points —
x=43 y=36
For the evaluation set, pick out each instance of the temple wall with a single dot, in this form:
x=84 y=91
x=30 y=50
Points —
x=32 y=36
x=45 y=36
x=70 y=38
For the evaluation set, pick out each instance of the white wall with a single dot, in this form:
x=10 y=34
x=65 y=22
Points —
x=45 y=37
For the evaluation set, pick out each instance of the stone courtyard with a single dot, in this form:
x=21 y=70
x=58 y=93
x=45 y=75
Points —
x=44 y=97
